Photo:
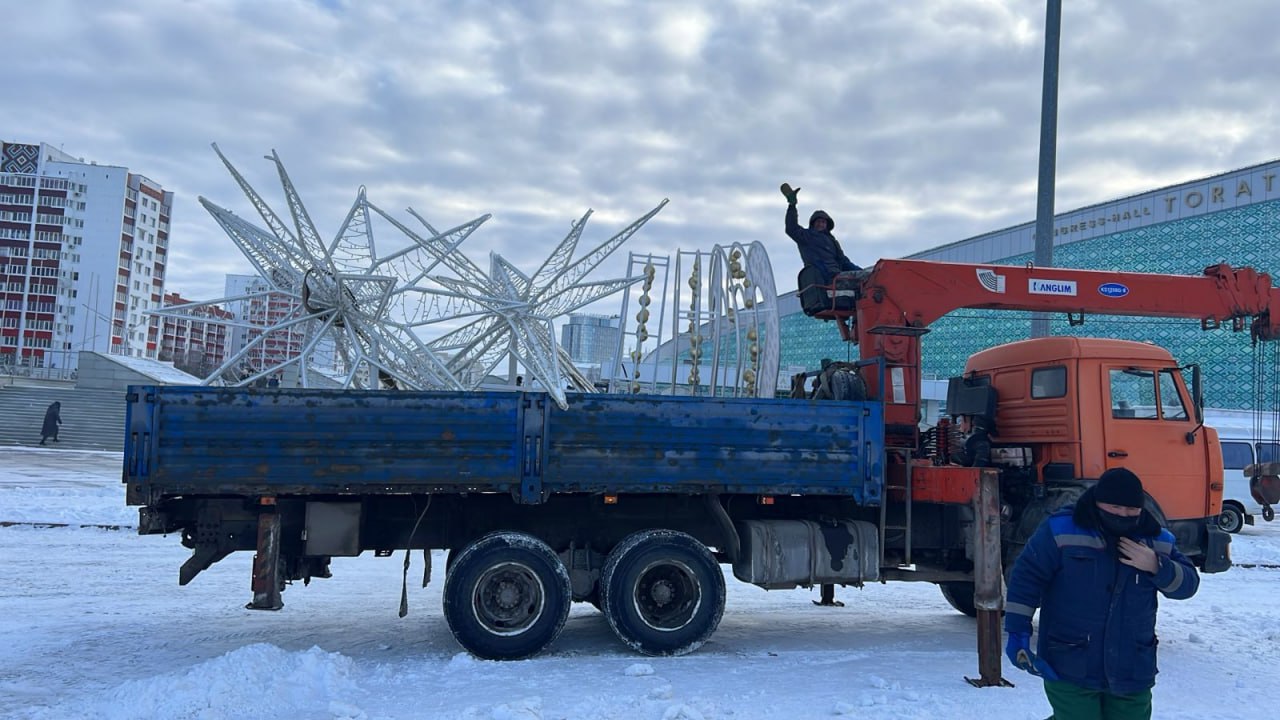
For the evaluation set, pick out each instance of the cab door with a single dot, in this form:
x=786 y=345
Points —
x=1146 y=418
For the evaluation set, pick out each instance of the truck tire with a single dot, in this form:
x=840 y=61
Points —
x=848 y=385
x=1232 y=518
x=959 y=595
x=662 y=592
x=507 y=596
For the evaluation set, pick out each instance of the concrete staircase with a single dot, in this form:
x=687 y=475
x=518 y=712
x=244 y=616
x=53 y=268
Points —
x=91 y=419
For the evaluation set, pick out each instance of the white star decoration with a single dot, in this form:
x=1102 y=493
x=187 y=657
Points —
x=369 y=304
x=519 y=309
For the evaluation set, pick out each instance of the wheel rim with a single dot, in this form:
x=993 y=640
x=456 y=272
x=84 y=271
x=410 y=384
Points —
x=667 y=595
x=1230 y=521
x=508 y=599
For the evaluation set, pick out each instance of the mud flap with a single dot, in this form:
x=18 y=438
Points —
x=1217 y=550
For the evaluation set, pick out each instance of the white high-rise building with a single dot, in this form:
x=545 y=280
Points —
x=83 y=250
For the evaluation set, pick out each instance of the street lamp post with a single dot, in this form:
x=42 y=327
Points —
x=1048 y=151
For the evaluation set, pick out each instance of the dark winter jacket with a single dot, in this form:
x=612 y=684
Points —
x=818 y=249
x=977 y=450
x=52 y=419
x=1097 y=615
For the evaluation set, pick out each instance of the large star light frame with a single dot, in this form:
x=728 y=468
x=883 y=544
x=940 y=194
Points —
x=369 y=305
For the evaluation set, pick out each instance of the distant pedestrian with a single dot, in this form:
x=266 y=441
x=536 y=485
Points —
x=52 y=419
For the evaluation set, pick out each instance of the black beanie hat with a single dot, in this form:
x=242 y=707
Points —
x=1119 y=486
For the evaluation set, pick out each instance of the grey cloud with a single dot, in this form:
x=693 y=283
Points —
x=913 y=123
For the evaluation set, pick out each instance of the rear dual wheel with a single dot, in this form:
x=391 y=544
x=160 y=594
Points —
x=662 y=592
x=506 y=596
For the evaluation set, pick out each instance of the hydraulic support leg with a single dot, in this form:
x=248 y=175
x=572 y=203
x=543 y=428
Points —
x=988 y=597
x=266 y=562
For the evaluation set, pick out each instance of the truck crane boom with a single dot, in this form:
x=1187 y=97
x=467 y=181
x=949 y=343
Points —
x=900 y=299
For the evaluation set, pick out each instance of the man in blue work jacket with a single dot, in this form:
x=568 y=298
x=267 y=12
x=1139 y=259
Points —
x=1094 y=572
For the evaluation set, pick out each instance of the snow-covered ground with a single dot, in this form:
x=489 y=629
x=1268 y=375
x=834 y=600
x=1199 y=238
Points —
x=94 y=625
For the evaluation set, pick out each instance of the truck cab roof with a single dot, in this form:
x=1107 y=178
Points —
x=1041 y=350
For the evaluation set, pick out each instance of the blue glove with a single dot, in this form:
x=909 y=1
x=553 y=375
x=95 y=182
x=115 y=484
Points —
x=1018 y=650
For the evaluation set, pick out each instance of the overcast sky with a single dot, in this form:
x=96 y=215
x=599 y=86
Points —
x=914 y=123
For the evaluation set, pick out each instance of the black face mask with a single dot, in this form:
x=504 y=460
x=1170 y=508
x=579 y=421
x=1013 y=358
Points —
x=1118 y=525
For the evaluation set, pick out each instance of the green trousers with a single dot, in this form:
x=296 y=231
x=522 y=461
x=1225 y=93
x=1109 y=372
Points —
x=1072 y=702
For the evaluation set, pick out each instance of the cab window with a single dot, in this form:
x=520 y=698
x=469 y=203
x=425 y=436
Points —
x=1133 y=394
x=1048 y=382
x=1268 y=452
x=1171 y=407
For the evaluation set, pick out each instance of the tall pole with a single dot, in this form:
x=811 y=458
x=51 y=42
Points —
x=1048 y=152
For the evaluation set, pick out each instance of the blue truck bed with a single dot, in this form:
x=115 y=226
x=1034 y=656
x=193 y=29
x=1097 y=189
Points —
x=236 y=441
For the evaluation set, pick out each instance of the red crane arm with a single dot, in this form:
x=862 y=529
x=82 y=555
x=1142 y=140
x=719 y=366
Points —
x=901 y=298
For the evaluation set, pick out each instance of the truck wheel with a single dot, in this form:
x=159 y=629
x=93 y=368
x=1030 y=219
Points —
x=848 y=385
x=959 y=595
x=507 y=596
x=1232 y=518
x=663 y=593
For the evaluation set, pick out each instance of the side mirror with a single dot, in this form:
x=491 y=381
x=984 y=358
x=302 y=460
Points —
x=1197 y=393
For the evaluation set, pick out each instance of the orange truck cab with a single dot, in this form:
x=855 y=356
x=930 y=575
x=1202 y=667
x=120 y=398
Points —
x=1070 y=408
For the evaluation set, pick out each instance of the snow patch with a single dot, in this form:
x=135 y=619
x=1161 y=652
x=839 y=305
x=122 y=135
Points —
x=257 y=680
x=526 y=709
x=662 y=692
x=881 y=684
x=638 y=670
x=462 y=660
x=343 y=711
x=682 y=712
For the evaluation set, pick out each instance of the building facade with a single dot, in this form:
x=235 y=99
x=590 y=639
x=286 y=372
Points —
x=191 y=344
x=1232 y=217
x=262 y=308
x=590 y=339
x=83 y=250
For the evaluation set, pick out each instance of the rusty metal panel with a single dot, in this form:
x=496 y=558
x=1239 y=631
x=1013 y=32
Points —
x=235 y=440
x=280 y=441
x=638 y=443
x=950 y=484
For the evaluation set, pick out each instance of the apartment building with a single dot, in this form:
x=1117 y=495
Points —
x=193 y=344
x=83 y=250
x=262 y=308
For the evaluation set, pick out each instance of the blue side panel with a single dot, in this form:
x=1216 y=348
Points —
x=200 y=440
x=636 y=443
x=230 y=440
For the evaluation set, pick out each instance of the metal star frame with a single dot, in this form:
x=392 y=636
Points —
x=520 y=308
x=369 y=305
x=343 y=291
